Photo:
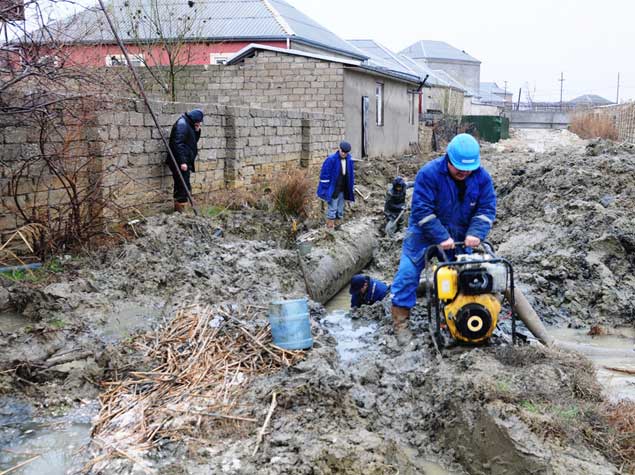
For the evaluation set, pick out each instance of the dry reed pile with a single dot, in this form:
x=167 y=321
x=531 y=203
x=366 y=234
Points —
x=204 y=358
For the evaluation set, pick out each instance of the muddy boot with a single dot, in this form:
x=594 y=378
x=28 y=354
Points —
x=179 y=207
x=400 y=317
x=338 y=224
x=330 y=224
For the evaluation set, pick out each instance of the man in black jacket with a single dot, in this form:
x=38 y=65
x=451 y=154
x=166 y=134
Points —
x=184 y=137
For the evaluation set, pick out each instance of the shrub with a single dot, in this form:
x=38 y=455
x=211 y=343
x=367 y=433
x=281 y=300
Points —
x=292 y=196
x=589 y=125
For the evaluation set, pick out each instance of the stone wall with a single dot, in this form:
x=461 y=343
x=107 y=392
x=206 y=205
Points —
x=425 y=138
x=269 y=80
x=246 y=148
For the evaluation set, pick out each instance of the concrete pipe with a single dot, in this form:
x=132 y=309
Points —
x=329 y=261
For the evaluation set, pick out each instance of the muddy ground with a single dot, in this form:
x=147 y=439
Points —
x=565 y=220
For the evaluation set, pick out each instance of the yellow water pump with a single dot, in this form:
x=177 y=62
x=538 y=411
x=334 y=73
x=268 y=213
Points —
x=466 y=294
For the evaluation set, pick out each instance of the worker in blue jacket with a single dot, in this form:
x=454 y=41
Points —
x=453 y=203
x=366 y=291
x=337 y=180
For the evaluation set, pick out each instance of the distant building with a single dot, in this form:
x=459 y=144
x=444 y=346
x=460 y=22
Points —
x=209 y=31
x=589 y=100
x=491 y=93
x=440 y=55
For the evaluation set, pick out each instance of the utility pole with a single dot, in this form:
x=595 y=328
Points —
x=617 y=100
x=505 y=96
x=561 y=88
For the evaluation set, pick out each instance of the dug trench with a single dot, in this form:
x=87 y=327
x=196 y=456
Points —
x=356 y=402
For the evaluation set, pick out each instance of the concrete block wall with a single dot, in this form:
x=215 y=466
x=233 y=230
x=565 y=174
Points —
x=269 y=80
x=425 y=139
x=240 y=147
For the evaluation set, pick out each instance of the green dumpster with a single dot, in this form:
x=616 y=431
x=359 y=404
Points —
x=490 y=128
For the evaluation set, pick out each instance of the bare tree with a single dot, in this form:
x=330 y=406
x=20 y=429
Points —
x=51 y=173
x=162 y=33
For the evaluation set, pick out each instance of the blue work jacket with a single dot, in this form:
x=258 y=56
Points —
x=331 y=169
x=437 y=213
x=376 y=291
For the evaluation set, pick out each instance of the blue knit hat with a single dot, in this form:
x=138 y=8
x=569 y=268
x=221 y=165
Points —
x=357 y=282
x=345 y=146
x=196 y=115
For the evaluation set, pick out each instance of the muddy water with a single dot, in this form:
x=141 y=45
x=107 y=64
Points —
x=11 y=322
x=354 y=341
x=127 y=318
x=55 y=445
x=351 y=335
x=607 y=353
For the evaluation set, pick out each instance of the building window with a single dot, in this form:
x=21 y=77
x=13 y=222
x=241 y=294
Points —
x=379 y=103
x=120 y=59
x=219 y=58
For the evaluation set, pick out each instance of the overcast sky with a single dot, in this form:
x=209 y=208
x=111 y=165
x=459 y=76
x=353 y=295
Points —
x=517 y=41
x=526 y=43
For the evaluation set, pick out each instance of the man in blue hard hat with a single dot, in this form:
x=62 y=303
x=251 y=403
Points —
x=366 y=290
x=337 y=180
x=184 y=138
x=453 y=203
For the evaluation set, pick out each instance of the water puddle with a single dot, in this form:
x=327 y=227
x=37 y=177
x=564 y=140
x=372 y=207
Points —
x=352 y=335
x=12 y=322
x=610 y=355
x=51 y=446
x=128 y=318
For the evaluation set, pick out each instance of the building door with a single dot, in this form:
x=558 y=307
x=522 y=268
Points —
x=365 y=108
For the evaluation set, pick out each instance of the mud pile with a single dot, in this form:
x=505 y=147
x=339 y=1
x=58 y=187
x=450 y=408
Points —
x=566 y=221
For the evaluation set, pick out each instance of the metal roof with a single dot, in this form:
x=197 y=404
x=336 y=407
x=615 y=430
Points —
x=250 y=49
x=207 y=20
x=429 y=49
x=491 y=88
x=382 y=59
x=453 y=82
x=366 y=65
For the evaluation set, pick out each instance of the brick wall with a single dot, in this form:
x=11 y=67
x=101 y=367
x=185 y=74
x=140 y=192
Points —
x=269 y=80
x=240 y=147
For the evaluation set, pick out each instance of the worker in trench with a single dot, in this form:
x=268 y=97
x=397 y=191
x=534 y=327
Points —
x=366 y=290
x=184 y=138
x=453 y=203
x=395 y=203
x=337 y=182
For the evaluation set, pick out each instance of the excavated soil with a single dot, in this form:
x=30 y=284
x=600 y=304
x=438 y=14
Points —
x=565 y=221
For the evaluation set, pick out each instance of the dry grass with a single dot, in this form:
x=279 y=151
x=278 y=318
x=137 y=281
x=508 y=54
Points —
x=619 y=439
x=589 y=125
x=235 y=199
x=293 y=194
x=202 y=362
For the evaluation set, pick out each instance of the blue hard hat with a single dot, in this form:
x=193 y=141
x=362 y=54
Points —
x=464 y=152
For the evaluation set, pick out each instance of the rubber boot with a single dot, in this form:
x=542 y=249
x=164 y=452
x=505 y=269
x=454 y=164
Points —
x=179 y=207
x=400 y=318
x=330 y=224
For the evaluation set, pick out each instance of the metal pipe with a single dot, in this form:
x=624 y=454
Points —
x=34 y=265
x=147 y=103
x=529 y=317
